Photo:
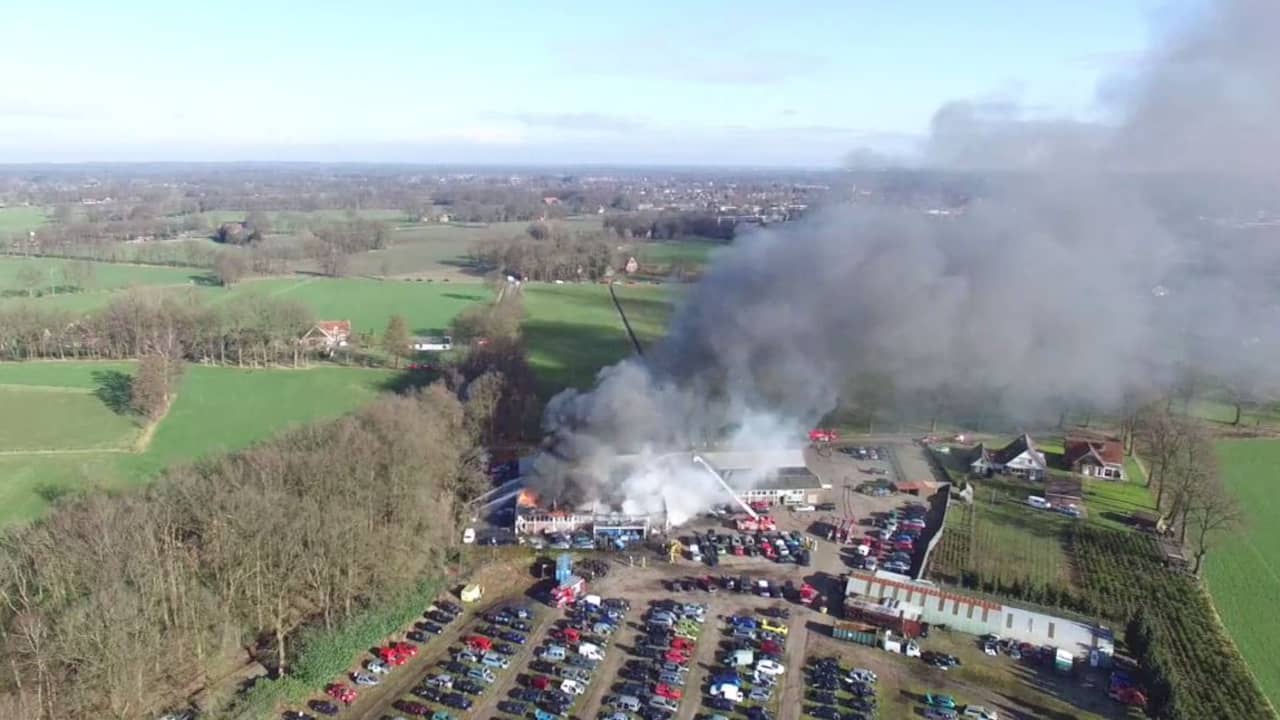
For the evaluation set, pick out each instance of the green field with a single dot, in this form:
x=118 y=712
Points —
x=692 y=252
x=216 y=409
x=18 y=218
x=435 y=250
x=368 y=304
x=574 y=330
x=1244 y=572
x=291 y=220
x=104 y=279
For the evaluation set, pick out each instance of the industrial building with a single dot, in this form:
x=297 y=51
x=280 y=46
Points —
x=773 y=477
x=899 y=603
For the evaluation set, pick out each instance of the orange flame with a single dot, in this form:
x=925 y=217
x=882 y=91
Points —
x=527 y=499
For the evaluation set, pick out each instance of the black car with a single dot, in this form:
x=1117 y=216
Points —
x=504 y=649
x=862 y=690
x=469 y=687
x=488 y=631
x=755 y=712
x=498 y=618
x=457 y=701
x=454 y=666
x=862 y=704
x=635 y=674
x=823 y=712
x=823 y=697
x=633 y=689
x=417 y=636
x=648 y=652
x=513 y=708
x=722 y=704
x=542 y=666
x=617 y=603
x=324 y=707
x=448 y=607
x=442 y=618
x=520 y=625
x=853 y=716
x=512 y=637
x=432 y=628
x=528 y=695
x=649 y=712
x=427 y=692
x=554 y=708
x=295 y=715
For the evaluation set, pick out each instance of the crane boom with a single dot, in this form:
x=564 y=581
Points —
x=741 y=503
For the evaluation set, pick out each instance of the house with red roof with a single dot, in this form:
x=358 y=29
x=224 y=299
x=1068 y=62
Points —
x=1099 y=457
x=327 y=335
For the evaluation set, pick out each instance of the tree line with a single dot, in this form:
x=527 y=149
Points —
x=113 y=603
x=250 y=330
x=669 y=225
x=548 y=253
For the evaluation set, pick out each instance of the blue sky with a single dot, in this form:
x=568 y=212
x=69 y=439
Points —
x=744 y=82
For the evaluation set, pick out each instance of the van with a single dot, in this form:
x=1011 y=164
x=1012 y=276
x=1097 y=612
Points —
x=1037 y=502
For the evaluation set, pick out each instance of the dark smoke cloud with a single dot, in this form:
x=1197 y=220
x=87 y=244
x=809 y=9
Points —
x=1092 y=260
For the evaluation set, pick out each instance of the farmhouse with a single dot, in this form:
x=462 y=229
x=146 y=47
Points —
x=1094 y=457
x=431 y=344
x=327 y=335
x=1019 y=457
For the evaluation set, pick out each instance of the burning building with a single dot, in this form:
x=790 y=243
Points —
x=684 y=483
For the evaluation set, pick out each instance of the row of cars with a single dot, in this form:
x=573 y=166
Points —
x=472 y=666
x=894 y=539
x=652 y=682
x=834 y=694
x=564 y=666
x=385 y=660
x=750 y=667
x=779 y=546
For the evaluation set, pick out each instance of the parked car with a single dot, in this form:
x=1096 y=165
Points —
x=511 y=707
x=412 y=708
x=457 y=701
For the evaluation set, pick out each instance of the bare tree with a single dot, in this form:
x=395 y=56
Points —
x=1214 y=512
x=1160 y=436
x=152 y=386
x=230 y=267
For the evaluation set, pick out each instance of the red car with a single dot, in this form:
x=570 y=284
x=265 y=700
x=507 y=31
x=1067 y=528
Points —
x=769 y=647
x=476 y=642
x=681 y=644
x=540 y=682
x=668 y=692
x=405 y=648
x=392 y=656
x=341 y=693
x=677 y=657
x=569 y=635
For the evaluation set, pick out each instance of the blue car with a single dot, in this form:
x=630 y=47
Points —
x=512 y=637
x=540 y=714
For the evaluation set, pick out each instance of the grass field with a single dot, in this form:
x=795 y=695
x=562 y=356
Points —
x=695 y=252
x=105 y=279
x=216 y=409
x=18 y=218
x=291 y=220
x=1244 y=572
x=368 y=304
x=574 y=330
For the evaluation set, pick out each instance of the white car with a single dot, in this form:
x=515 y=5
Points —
x=366 y=679
x=468 y=536
x=862 y=675
x=977 y=711
x=663 y=703
x=377 y=667
x=770 y=667
x=803 y=508
x=990 y=648
x=572 y=687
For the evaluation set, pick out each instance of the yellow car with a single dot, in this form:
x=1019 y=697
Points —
x=775 y=628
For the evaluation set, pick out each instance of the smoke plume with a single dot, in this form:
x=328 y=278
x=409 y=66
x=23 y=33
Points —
x=1081 y=262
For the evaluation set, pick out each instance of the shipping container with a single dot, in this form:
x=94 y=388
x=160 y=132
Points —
x=858 y=633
